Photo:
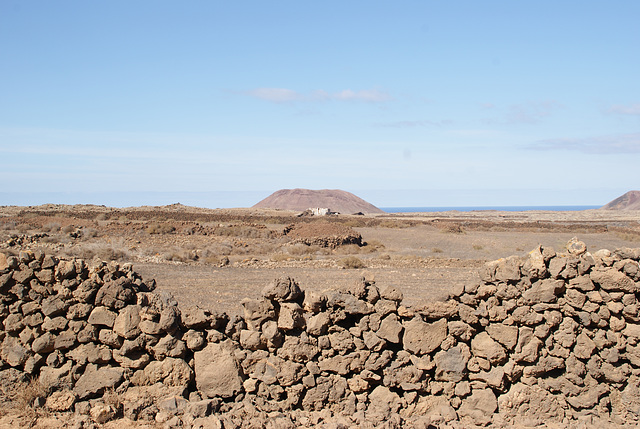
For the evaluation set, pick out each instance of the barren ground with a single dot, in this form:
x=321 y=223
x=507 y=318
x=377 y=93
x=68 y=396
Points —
x=214 y=258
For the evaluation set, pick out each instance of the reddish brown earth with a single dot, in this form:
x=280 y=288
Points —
x=628 y=201
x=214 y=258
x=303 y=199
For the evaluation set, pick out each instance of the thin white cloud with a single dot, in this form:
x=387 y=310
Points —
x=415 y=124
x=369 y=95
x=284 y=95
x=277 y=95
x=531 y=112
x=632 y=109
x=612 y=144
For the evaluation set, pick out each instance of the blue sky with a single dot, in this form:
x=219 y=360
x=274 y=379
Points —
x=411 y=103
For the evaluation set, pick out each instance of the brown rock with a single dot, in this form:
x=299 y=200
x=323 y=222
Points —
x=438 y=310
x=543 y=291
x=290 y=316
x=390 y=329
x=126 y=324
x=483 y=345
x=102 y=316
x=284 y=289
x=256 y=312
x=613 y=280
x=528 y=346
x=382 y=403
x=504 y=334
x=318 y=324
x=13 y=352
x=216 y=370
x=479 y=407
x=422 y=338
x=61 y=401
x=451 y=365
x=94 y=381
x=583 y=349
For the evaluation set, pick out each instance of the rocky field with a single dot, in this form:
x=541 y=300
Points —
x=394 y=321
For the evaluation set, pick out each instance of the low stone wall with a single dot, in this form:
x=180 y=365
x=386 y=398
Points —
x=545 y=338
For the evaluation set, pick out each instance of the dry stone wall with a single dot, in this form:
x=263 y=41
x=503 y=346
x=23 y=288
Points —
x=544 y=338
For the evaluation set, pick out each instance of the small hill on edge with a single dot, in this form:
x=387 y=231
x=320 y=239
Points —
x=303 y=199
x=628 y=201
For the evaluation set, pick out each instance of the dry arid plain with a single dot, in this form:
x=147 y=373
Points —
x=214 y=259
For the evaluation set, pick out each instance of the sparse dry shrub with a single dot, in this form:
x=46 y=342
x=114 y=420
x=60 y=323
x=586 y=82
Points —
x=393 y=223
x=89 y=233
x=68 y=228
x=449 y=227
x=300 y=249
x=23 y=227
x=51 y=227
x=110 y=397
x=633 y=236
x=245 y=231
x=355 y=223
x=25 y=396
x=182 y=255
x=101 y=216
x=348 y=249
x=8 y=226
x=159 y=228
x=372 y=246
x=437 y=250
x=99 y=250
x=351 y=262
x=281 y=257
x=478 y=247
x=219 y=249
x=385 y=257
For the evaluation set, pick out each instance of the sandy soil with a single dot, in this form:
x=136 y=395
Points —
x=186 y=249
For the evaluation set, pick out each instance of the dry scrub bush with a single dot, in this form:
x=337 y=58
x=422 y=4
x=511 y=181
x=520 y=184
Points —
x=633 y=236
x=159 y=228
x=355 y=223
x=88 y=233
x=351 y=262
x=300 y=249
x=23 y=227
x=51 y=227
x=25 y=395
x=101 y=251
x=448 y=227
x=393 y=223
x=372 y=246
x=7 y=226
x=347 y=249
x=220 y=261
x=245 y=231
x=68 y=229
x=281 y=257
x=181 y=255
x=437 y=250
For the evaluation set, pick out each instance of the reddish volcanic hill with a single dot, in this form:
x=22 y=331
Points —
x=628 y=201
x=302 y=199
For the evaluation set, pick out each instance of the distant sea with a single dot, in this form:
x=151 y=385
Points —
x=491 y=208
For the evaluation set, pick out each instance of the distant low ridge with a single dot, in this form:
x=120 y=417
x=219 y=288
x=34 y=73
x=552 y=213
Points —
x=303 y=199
x=628 y=201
